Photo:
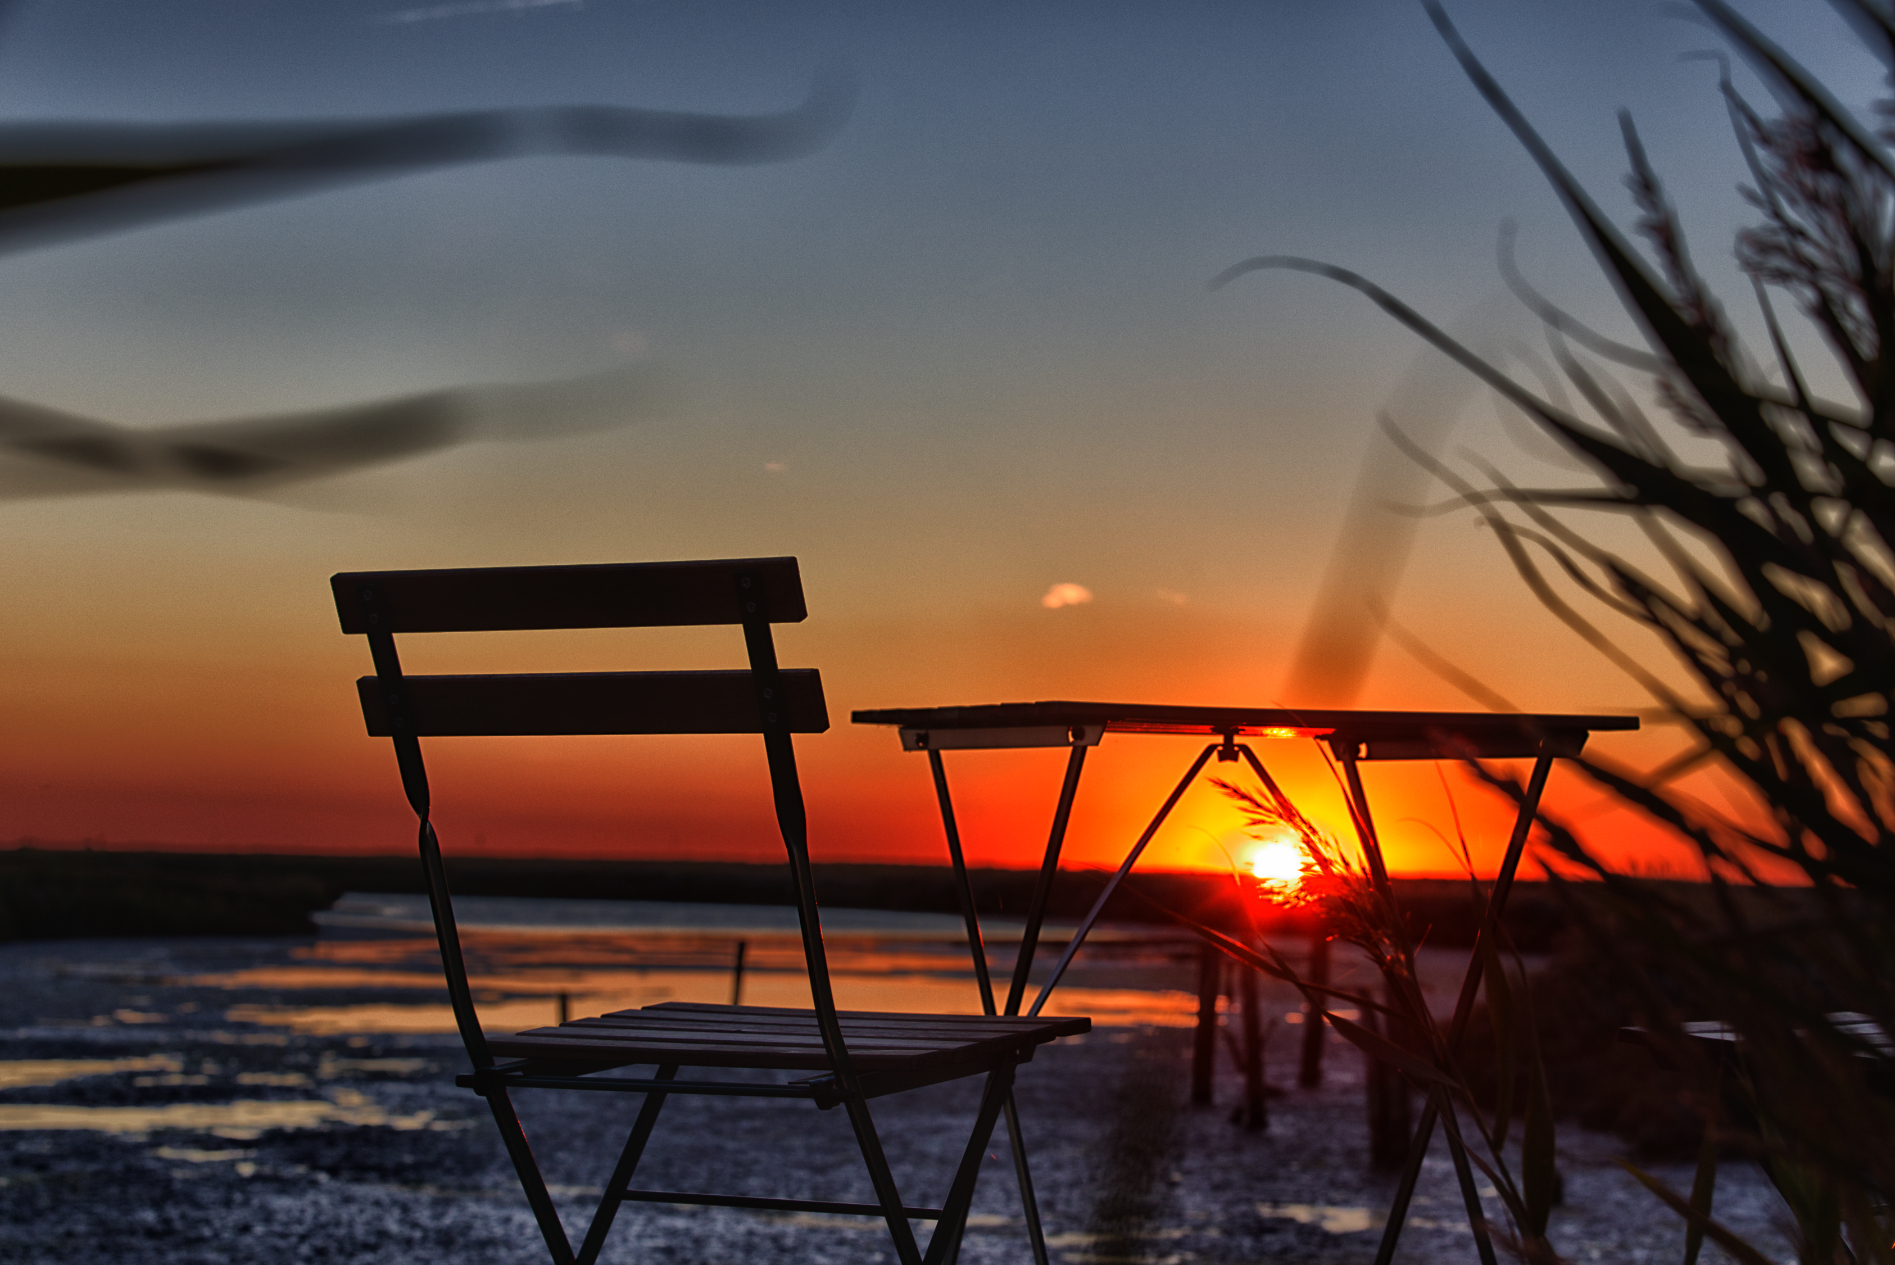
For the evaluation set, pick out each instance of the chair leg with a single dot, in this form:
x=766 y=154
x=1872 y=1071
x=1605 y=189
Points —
x=945 y=1244
x=1029 y=1203
x=535 y=1185
x=622 y=1175
x=881 y=1178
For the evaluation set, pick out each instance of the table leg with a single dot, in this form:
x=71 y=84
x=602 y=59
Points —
x=1365 y=825
x=963 y=889
x=1043 y=890
x=1112 y=885
x=1464 y=1004
x=1023 y=1176
x=1464 y=1174
x=1378 y=874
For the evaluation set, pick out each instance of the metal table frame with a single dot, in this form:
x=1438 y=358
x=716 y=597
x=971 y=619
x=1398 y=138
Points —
x=1352 y=737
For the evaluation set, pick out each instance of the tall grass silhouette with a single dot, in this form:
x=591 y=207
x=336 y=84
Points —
x=1774 y=590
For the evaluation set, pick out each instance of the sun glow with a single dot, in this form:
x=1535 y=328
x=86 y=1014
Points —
x=1277 y=861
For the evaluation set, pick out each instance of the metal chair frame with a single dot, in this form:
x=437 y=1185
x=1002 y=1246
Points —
x=753 y=593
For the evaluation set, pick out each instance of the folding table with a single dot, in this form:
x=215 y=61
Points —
x=1352 y=738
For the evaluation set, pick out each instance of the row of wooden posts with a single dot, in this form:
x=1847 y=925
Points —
x=1388 y=1101
x=1219 y=977
x=562 y=1001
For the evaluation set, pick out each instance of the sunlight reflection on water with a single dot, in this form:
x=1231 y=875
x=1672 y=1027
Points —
x=32 y=1073
x=1332 y=1220
x=519 y=978
x=241 y=1121
x=1107 y=1007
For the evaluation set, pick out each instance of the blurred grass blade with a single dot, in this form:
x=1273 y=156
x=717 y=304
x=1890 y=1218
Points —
x=1784 y=74
x=1501 y=1013
x=1539 y=1175
x=64 y=180
x=1703 y=1187
x=1869 y=1238
x=1737 y=1248
x=1379 y=1047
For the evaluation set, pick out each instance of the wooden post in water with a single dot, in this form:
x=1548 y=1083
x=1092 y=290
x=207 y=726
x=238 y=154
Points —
x=1204 y=1046
x=1309 y=1073
x=737 y=975
x=1401 y=1107
x=1256 y=1109
x=1390 y=1118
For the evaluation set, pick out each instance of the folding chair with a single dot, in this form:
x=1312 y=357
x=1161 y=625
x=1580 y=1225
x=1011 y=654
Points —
x=847 y=1057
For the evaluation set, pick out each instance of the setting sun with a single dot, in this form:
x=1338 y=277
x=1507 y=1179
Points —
x=1277 y=861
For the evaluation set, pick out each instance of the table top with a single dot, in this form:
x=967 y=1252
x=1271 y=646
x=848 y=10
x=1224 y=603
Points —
x=1376 y=735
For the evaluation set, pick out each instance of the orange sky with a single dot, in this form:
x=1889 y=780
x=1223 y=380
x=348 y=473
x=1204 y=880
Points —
x=242 y=732
x=962 y=355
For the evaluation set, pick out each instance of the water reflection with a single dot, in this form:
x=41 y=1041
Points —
x=191 y=1155
x=1333 y=1220
x=32 y=1073
x=37 y=1073
x=351 y=994
x=1108 y=1007
x=522 y=977
x=242 y=1121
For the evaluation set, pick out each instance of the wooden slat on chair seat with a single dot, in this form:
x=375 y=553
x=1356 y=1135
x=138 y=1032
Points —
x=594 y=703
x=770 y=1037
x=1712 y=1034
x=711 y=1012
x=864 y=1035
x=867 y=1023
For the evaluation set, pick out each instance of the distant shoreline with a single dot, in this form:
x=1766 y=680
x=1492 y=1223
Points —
x=67 y=893
x=460 y=852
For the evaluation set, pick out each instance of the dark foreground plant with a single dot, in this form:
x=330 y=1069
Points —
x=1778 y=602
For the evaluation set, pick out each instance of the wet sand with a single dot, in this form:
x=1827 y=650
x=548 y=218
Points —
x=147 y=1117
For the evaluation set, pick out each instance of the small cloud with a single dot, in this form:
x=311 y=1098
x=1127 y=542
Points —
x=1173 y=596
x=1066 y=595
x=776 y=467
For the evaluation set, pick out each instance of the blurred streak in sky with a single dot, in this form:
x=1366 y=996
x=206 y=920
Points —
x=1345 y=626
x=49 y=453
x=60 y=181
x=65 y=180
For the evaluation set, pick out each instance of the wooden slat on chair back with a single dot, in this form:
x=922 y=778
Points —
x=765 y=700
x=620 y=595
x=595 y=703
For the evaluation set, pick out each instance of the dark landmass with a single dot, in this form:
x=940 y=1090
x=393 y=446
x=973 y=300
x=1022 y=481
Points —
x=52 y=893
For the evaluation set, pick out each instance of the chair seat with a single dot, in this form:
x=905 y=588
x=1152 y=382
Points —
x=690 y=1034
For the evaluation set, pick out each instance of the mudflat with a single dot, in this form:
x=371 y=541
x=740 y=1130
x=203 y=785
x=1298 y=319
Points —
x=178 y=1100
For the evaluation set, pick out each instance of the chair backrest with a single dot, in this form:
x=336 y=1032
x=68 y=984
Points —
x=764 y=699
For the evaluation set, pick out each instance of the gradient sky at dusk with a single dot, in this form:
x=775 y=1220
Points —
x=961 y=355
